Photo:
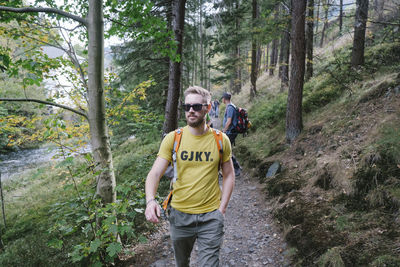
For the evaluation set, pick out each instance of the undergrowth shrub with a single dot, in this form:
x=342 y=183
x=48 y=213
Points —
x=267 y=112
x=331 y=258
x=383 y=56
x=72 y=227
x=32 y=251
x=386 y=260
x=379 y=166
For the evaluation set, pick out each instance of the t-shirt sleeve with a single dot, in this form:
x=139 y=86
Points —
x=230 y=112
x=226 y=144
x=166 y=147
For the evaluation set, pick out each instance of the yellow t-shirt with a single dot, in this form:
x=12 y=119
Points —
x=196 y=189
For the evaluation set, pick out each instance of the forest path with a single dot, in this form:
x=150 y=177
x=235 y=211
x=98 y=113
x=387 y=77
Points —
x=251 y=238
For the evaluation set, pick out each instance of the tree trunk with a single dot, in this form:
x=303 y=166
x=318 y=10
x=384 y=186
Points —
x=357 y=54
x=274 y=53
x=166 y=59
x=97 y=113
x=340 y=16
x=259 y=55
x=195 y=48
x=238 y=65
x=254 y=49
x=310 y=39
x=237 y=80
x=263 y=57
x=202 y=76
x=294 y=123
x=209 y=74
x=175 y=68
x=317 y=20
x=266 y=59
x=285 y=51
x=275 y=44
x=326 y=9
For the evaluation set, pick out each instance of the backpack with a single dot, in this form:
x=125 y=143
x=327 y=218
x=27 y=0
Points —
x=177 y=140
x=242 y=123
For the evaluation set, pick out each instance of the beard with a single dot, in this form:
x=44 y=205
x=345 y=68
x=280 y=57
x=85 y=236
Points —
x=196 y=123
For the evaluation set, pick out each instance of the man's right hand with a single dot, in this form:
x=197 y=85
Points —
x=153 y=212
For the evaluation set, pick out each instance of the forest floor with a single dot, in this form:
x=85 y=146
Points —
x=251 y=238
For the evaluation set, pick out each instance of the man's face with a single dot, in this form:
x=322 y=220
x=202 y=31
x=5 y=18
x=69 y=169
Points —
x=195 y=118
x=224 y=100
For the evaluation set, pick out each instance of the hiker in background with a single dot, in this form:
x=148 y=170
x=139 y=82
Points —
x=229 y=123
x=216 y=108
x=211 y=113
x=198 y=204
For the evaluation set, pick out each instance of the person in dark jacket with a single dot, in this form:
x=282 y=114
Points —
x=229 y=123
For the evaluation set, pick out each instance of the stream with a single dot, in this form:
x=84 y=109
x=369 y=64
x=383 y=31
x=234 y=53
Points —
x=16 y=162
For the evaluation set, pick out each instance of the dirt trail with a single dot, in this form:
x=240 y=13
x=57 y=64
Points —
x=250 y=239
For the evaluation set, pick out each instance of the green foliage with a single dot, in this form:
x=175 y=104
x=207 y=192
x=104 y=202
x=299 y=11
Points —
x=383 y=56
x=337 y=76
x=69 y=226
x=373 y=180
x=100 y=226
x=149 y=26
x=24 y=68
x=227 y=37
x=318 y=92
x=4 y=60
x=32 y=251
x=127 y=116
x=342 y=223
x=389 y=146
x=268 y=112
x=386 y=260
x=331 y=258
x=3 y=133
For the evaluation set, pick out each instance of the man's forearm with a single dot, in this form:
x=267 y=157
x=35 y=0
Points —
x=228 y=184
x=152 y=182
x=154 y=176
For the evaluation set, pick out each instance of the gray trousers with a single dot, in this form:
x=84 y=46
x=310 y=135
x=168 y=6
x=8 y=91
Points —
x=207 y=228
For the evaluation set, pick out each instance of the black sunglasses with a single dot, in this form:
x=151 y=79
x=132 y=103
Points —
x=196 y=107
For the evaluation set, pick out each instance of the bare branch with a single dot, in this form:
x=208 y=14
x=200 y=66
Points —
x=44 y=10
x=49 y=27
x=46 y=103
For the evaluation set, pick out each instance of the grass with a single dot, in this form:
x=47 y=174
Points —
x=331 y=258
x=41 y=201
x=28 y=215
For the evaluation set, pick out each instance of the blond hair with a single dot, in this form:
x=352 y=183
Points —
x=197 y=90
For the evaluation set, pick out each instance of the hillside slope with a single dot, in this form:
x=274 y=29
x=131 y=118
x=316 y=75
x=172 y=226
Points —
x=337 y=197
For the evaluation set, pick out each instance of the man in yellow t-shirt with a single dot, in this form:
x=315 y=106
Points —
x=198 y=204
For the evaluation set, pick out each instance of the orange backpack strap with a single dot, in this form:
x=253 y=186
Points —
x=218 y=139
x=177 y=141
x=166 y=201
